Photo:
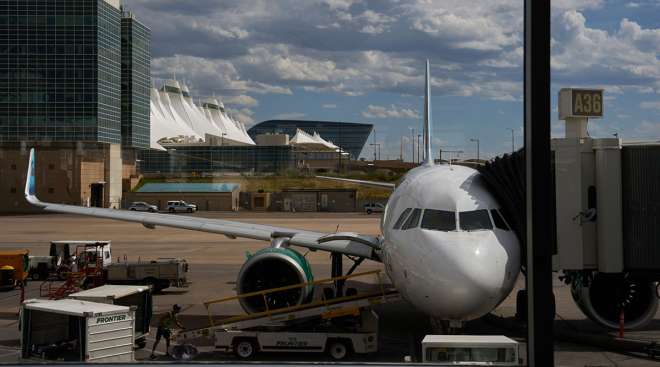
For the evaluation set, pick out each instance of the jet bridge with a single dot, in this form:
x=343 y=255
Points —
x=607 y=210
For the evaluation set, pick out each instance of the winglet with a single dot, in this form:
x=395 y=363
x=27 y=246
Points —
x=428 y=122
x=30 y=182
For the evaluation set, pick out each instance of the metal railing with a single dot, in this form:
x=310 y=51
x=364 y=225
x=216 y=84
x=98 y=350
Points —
x=321 y=302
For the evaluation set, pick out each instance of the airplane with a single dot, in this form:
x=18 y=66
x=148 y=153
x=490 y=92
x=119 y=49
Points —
x=444 y=244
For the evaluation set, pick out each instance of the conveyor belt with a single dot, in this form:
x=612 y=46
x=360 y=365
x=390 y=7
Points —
x=322 y=309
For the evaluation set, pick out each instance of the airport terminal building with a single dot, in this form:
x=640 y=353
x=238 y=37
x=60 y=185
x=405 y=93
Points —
x=75 y=83
x=72 y=84
x=350 y=137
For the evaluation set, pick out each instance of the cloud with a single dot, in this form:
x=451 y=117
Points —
x=354 y=47
x=395 y=112
x=208 y=76
x=243 y=115
x=329 y=105
x=625 y=58
x=290 y=116
x=650 y=105
x=648 y=129
x=241 y=100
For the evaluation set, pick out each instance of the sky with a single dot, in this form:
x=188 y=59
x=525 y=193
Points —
x=363 y=61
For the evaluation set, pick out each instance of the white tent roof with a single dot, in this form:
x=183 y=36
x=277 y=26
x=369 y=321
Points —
x=233 y=131
x=164 y=124
x=308 y=141
x=175 y=117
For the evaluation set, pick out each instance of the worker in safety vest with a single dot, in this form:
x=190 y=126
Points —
x=165 y=325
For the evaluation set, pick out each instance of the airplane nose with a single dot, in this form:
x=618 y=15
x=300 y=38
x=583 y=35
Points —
x=475 y=275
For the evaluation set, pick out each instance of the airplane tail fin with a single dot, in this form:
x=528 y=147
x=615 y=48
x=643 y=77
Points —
x=30 y=182
x=428 y=122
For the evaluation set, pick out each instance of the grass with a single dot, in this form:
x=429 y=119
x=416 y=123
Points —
x=278 y=183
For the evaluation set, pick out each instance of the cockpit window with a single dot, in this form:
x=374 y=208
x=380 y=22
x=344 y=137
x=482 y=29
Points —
x=402 y=218
x=413 y=219
x=498 y=220
x=439 y=220
x=475 y=220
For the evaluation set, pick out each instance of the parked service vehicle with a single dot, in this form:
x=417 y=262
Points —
x=160 y=274
x=139 y=297
x=338 y=343
x=76 y=331
x=41 y=267
x=374 y=208
x=14 y=267
x=68 y=252
x=180 y=206
x=474 y=350
x=141 y=206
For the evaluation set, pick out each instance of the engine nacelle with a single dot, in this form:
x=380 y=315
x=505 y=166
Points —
x=605 y=295
x=271 y=268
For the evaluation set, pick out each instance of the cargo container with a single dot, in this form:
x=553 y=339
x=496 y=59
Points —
x=473 y=350
x=138 y=296
x=76 y=331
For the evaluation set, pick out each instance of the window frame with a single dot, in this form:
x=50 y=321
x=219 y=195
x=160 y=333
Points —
x=490 y=221
x=421 y=223
x=402 y=218
x=404 y=226
x=507 y=227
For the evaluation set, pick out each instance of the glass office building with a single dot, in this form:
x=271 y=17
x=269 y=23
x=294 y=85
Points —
x=135 y=83
x=209 y=159
x=60 y=70
x=351 y=137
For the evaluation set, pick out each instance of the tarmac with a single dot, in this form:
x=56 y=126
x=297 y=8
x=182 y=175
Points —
x=215 y=261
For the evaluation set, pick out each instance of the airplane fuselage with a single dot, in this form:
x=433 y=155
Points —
x=444 y=249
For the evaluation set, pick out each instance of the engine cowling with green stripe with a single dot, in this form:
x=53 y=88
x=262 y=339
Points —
x=272 y=268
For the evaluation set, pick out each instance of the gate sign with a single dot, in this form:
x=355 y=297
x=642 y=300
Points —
x=580 y=103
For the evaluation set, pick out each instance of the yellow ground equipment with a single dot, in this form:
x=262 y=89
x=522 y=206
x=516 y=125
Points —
x=14 y=266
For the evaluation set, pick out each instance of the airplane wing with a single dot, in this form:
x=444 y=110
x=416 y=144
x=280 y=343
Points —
x=385 y=185
x=345 y=243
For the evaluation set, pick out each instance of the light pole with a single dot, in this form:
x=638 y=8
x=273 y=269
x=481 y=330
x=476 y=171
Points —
x=412 y=140
x=513 y=146
x=418 y=156
x=376 y=146
x=477 y=141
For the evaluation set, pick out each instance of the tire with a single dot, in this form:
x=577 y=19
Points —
x=369 y=211
x=171 y=210
x=190 y=210
x=132 y=209
x=152 y=210
x=140 y=344
x=35 y=275
x=245 y=348
x=337 y=349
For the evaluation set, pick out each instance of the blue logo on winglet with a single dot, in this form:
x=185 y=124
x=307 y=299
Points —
x=31 y=174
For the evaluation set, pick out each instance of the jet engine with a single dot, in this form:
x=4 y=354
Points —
x=271 y=268
x=604 y=296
